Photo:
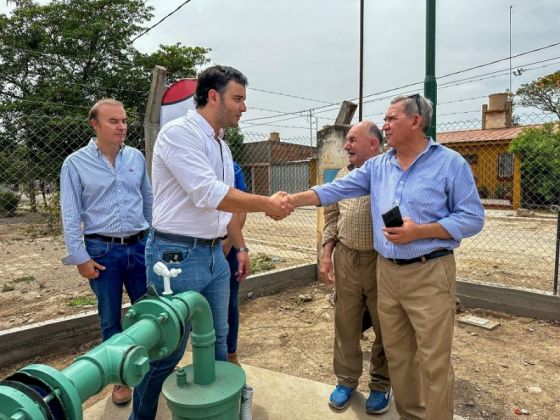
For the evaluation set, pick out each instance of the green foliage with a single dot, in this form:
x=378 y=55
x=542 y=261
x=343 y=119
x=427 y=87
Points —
x=539 y=153
x=261 y=262
x=6 y=287
x=56 y=60
x=503 y=192
x=81 y=301
x=543 y=93
x=25 y=279
x=234 y=138
x=8 y=203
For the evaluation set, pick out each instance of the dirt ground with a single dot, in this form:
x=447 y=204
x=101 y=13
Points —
x=517 y=365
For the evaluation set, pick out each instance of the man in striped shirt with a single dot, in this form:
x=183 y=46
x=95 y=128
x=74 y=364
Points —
x=348 y=232
x=434 y=188
x=106 y=202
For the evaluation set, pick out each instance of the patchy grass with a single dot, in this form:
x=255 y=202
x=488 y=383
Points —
x=25 y=279
x=81 y=301
x=261 y=262
x=7 y=288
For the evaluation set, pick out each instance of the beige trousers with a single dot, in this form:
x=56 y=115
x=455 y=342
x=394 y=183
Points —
x=356 y=288
x=417 y=313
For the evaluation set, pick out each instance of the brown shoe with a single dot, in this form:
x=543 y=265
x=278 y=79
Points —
x=122 y=394
x=232 y=358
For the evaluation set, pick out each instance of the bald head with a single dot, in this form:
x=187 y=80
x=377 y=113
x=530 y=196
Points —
x=363 y=142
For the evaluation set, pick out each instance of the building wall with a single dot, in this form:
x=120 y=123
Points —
x=484 y=161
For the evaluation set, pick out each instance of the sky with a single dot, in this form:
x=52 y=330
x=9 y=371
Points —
x=310 y=49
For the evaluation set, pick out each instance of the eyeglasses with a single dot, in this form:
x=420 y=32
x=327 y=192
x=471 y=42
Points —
x=416 y=98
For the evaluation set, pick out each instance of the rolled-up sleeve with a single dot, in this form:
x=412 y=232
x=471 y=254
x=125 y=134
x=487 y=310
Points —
x=355 y=184
x=185 y=157
x=71 y=209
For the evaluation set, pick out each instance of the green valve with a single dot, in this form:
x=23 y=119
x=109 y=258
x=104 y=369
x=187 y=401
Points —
x=218 y=401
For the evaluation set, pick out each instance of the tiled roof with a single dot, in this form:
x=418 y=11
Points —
x=481 y=135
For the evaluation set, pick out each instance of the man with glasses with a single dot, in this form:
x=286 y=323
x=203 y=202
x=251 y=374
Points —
x=434 y=189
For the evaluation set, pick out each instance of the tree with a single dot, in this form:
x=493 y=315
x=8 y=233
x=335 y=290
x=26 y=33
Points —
x=57 y=59
x=234 y=138
x=543 y=93
x=538 y=150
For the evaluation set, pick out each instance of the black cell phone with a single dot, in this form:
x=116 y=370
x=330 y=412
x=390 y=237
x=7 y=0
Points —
x=173 y=256
x=393 y=217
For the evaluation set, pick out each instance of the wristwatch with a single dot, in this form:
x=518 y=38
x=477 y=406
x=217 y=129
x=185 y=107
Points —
x=243 y=249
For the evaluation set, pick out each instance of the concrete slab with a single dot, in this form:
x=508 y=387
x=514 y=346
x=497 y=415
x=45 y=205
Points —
x=276 y=397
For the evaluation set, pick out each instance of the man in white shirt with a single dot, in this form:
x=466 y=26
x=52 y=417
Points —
x=192 y=177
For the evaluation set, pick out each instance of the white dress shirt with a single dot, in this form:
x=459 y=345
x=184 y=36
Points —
x=192 y=171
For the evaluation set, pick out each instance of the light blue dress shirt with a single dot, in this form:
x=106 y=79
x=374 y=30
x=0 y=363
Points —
x=437 y=187
x=96 y=197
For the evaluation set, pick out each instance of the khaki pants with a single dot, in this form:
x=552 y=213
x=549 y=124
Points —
x=356 y=288
x=417 y=314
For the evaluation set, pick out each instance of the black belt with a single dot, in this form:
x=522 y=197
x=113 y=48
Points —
x=187 y=240
x=430 y=256
x=127 y=240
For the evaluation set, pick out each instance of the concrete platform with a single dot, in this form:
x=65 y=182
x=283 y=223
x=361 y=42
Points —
x=276 y=397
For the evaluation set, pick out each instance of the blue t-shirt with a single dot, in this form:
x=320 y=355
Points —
x=239 y=181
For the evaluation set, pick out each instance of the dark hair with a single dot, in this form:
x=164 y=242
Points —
x=216 y=77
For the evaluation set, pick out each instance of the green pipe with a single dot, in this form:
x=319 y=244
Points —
x=203 y=336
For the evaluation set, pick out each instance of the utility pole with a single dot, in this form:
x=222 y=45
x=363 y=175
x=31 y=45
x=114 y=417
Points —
x=510 y=92
x=311 y=128
x=361 y=95
x=430 y=84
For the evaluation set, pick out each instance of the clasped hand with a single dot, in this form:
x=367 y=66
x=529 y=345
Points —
x=280 y=205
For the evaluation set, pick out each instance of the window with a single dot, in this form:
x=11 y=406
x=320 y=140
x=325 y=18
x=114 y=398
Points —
x=505 y=165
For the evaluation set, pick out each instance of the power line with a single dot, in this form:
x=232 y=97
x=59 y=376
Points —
x=291 y=96
x=159 y=21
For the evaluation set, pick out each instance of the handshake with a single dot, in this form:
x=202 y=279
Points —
x=280 y=205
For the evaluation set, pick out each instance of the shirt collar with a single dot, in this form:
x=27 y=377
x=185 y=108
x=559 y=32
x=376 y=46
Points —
x=204 y=124
x=93 y=146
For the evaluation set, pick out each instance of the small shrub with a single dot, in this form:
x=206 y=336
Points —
x=81 y=301
x=261 y=262
x=8 y=203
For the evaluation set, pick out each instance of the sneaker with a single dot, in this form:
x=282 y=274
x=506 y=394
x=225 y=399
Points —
x=340 y=397
x=122 y=394
x=378 y=402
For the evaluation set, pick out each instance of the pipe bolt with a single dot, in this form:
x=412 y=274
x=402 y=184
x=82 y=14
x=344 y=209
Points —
x=162 y=318
x=163 y=352
x=19 y=416
x=131 y=314
x=181 y=377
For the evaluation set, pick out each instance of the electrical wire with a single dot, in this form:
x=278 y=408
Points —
x=160 y=21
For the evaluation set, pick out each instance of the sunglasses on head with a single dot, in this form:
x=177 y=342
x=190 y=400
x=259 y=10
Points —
x=416 y=98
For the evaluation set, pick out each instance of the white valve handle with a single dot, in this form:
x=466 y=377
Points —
x=161 y=270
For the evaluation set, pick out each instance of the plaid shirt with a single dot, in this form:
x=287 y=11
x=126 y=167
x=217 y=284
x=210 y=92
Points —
x=349 y=221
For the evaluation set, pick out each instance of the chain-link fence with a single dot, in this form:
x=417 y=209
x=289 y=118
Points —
x=517 y=172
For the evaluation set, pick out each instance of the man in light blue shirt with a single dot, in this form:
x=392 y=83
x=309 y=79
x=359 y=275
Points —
x=106 y=202
x=434 y=189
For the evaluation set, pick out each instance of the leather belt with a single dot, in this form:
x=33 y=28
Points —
x=127 y=240
x=435 y=254
x=187 y=240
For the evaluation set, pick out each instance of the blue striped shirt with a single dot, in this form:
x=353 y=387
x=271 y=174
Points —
x=96 y=197
x=437 y=187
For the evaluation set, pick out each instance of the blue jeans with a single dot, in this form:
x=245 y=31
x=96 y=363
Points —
x=233 y=308
x=124 y=266
x=204 y=270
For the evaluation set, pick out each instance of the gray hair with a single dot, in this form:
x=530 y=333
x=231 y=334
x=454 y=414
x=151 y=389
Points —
x=417 y=104
x=375 y=132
